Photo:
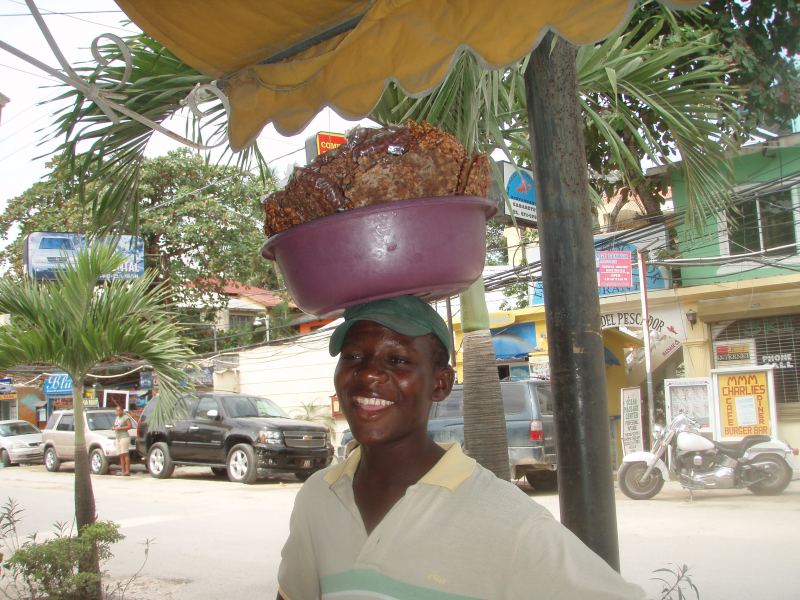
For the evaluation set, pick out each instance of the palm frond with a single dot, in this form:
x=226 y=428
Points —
x=649 y=93
x=109 y=155
x=75 y=324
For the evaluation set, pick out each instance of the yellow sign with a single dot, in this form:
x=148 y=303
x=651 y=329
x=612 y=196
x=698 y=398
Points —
x=744 y=404
x=8 y=396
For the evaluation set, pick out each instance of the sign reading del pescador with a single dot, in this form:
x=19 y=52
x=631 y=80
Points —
x=631 y=318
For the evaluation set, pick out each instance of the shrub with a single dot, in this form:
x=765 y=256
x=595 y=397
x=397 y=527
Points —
x=50 y=569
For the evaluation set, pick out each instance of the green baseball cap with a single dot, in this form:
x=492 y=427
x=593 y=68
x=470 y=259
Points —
x=407 y=315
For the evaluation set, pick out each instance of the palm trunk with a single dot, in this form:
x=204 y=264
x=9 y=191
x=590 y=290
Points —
x=85 y=510
x=484 y=419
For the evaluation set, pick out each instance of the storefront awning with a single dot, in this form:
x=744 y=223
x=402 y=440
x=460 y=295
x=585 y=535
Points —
x=283 y=61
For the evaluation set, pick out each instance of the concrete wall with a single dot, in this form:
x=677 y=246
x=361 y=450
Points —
x=291 y=374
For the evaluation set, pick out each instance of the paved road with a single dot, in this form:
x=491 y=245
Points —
x=210 y=539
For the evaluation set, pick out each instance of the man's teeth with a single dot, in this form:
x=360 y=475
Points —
x=361 y=401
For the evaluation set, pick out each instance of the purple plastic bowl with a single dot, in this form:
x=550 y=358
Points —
x=429 y=247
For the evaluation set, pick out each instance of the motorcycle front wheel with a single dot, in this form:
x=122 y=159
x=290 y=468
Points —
x=632 y=485
x=779 y=474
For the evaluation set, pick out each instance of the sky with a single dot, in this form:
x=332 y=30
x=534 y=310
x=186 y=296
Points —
x=24 y=120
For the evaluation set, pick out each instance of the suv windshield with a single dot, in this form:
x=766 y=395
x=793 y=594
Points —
x=252 y=406
x=515 y=402
x=100 y=420
x=22 y=428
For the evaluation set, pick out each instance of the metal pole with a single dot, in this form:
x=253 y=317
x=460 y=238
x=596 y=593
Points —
x=572 y=306
x=648 y=359
x=452 y=334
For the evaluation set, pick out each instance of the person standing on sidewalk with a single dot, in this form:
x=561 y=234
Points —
x=123 y=424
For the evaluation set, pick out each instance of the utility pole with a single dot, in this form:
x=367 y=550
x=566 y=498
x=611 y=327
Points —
x=648 y=359
x=572 y=306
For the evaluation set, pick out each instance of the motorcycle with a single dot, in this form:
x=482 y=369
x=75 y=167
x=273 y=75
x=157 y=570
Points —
x=759 y=463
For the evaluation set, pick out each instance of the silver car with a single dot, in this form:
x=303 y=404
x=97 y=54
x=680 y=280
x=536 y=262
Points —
x=20 y=442
x=58 y=438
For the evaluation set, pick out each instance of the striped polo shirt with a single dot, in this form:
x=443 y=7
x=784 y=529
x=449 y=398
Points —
x=458 y=533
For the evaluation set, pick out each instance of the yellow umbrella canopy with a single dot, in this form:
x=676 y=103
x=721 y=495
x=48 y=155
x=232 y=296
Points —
x=282 y=61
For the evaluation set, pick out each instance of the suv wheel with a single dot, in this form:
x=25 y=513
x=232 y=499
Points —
x=51 y=462
x=543 y=481
x=98 y=462
x=219 y=471
x=242 y=464
x=159 y=462
x=5 y=459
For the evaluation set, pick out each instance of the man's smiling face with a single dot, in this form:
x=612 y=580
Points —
x=386 y=382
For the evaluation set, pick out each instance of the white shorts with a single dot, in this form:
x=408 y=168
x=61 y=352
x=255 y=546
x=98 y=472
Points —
x=124 y=445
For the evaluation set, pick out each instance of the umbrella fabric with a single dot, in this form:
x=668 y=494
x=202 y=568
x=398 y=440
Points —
x=250 y=46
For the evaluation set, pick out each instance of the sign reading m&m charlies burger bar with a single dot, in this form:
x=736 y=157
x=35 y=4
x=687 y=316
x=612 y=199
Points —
x=322 y=142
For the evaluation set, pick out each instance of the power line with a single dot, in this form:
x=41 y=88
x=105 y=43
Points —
x=46 y=12
x=67 y=13
x=51 y=79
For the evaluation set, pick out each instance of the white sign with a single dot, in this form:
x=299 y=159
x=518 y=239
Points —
x=521 y=192
x=691 y=396
x=631 y=402
x=47 y=254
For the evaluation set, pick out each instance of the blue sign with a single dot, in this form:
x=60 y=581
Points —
x=59 y=384
x=520 y=187
x=520 y=191
x=656 y=279
x=146 y=379
x=46 y=254
x=514 y=341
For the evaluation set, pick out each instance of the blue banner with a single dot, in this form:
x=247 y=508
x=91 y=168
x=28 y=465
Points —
x=59 y=384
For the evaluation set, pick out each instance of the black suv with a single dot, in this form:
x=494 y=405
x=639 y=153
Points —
x=234 y=434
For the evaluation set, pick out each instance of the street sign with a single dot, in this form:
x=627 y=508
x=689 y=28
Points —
x=614 y=269
x=631 y=403
x=59 y=384
x=521 y=191
x=45 y=254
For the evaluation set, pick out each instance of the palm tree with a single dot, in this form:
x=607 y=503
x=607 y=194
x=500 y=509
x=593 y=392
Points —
x=645 y=93
x=315 y=413
x=74 y=325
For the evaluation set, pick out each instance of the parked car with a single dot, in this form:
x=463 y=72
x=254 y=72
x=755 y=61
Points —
x=58 y=439
x=236 y=435
x=20 y=442
x=530 y=428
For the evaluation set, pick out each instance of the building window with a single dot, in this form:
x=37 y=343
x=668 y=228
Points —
x=764 y=224
x=777 y=343
x=241 y=321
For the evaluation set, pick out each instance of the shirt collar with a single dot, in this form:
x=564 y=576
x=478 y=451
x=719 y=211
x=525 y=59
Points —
x=453 y=469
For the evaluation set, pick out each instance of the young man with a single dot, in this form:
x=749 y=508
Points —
x=402 y=517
